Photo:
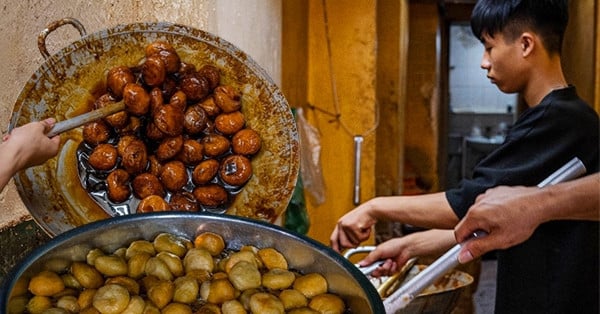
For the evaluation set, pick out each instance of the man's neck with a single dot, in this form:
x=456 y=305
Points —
x=545 y=79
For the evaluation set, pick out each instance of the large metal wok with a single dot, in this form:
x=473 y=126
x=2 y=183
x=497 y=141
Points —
x=303 y=254
x=64 y=87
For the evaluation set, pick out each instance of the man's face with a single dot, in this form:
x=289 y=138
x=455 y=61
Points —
x=502 y=59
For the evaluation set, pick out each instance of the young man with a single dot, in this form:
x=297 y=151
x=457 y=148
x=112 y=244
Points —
x=556 y=269
x=26 y=146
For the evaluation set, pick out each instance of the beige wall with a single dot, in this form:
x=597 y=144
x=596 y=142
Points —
x=252 y=25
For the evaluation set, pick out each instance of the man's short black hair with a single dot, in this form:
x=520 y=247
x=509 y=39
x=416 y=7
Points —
x=548 y=18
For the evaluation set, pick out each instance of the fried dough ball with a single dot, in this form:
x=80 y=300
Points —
x=156 y=99
x=245 y=275
x=154 y=70
x=266 y=303
x=117 y=186
x=217 y=291
x=136 y=305
x=38 y=304
x=179 y=100
x=117 y=78
x=151 y=309
x=174 y=176
x=136 y=265
x=96 y=132
x=117 y=120
x=88 y=276
x=191 y=153
x=210 y=241
x=154 y=165
x=167 y=52
x=278 y=279
x=198 y=259
x=111 y=299
x=134 y=125
x=166 y=242
x=211 y=195
x=124 y=141
x=152 y=203
x=311 y=284
x=169 y=120
x=195 y=86
x=235 y=170
x=233 y=307
x=186 y=67
x=137 y=99
x=183 y=201
x=92 y=255
x=210 y=107
x=153 y=132
x=230 y=123
x=292 y=298
x=147 y=184
x=103 y=157
x=240 y=256
x=246 y=142
x=211 y=73
x=303 y=310
x=156 y=267
x=215 y=145
x=161 y=293
x=227 y=98
x=209 y=308
x=186 y=290
x=205 y=171
x=46 y=283
x=111 y=265
x=139 y=246
x=135 y=157
x=271 y=258
x=194 y=120
x=129 y=283
x=86 y=297
x=70 y=281
x=327 y=303
x=169 y=147
x=176 y=308
x=173 y=262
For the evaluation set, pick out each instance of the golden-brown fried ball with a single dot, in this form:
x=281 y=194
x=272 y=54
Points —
x=117 y=186
x=174 y=175
x=96 y=132
x=88 y=276
x=246 y=142
x=271 y=258
x=212 y=74
x=195 y=86
x=227 y=98
x=156 y=99
x=215 y=145
x=166 y=52
x=235 y=170
x=154 y=70
x=211 y=195
x=103 y=157
x=111 y=265
x=154 y=165
x=195 y=120
x=327 y=303
x=161 y=293
x=179 y=100
x=153 y=132
x=191 y=153
x=210 y=107
x=169 y=147
x=46 y=283
x=135 y=157
x=117 y=78
x=137 y=99
x=210 y=241
x=230 y=123
x=293 y=299
x=278 y=279
x=117 y=120
x=263 y=302
x=311 y=284
x=152 y=203
x=169 y=120
x=183 y=201
x=147 y=184
x=205 y=171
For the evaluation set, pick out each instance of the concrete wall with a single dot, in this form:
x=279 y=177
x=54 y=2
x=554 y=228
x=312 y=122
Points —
x=252 y=25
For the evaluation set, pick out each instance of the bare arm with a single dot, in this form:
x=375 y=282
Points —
x=511 y=214
x=428 y=210
x=26 y=146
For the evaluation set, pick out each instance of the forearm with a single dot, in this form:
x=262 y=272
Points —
x=7 y=165
x=428 y=210
x=573 y=200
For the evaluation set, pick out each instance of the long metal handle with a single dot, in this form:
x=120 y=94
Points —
x=410 y=290
x=357 y=156
x=82 y=119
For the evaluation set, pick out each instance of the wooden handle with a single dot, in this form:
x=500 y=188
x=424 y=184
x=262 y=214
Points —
x=80 y=120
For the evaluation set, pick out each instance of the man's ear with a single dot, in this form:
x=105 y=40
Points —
x=528 y=43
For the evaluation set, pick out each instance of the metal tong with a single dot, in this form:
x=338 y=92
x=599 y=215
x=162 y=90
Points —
x=410 y=290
